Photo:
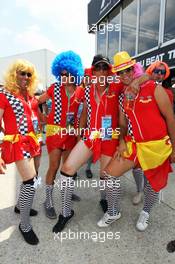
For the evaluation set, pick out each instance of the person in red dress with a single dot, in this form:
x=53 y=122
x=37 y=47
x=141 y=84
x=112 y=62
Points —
x=68 y=70
x=159 y=71
x=99 y=121
x=20 y=143
x=149 y=142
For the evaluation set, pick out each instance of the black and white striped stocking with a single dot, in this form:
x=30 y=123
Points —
x=67 y=188
x=150 y=197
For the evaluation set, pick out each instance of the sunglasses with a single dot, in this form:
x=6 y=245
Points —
x=65 y=74
x=159 y=71
x=125 y=71
x=23 y=73
x=103 y=67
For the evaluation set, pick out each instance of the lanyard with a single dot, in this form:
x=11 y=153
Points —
x=100 y=96
x=69 y=98
x=30 y=105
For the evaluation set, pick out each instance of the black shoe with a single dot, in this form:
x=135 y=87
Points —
x=171 y=246
x=89 y=174
x=30 y=237
x=62 y=221
x=76 y=198
x=104 y=205
x=33 y=212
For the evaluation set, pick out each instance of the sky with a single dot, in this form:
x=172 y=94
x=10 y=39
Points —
x=57 y=25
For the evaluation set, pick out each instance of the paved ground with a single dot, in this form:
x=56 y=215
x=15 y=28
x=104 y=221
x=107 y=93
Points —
x=98 y=248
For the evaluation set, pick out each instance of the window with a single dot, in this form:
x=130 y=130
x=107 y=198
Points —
x=129 y=26
x=113 y=33
x=169 y=30
x=149 y=24
x=101 y=38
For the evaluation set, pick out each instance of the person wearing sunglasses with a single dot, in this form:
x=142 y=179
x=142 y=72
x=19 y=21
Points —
x=67 y=69
x=149 y=143
x=100 y=139
x=100 y=103
x=20 y=143
x=159 y=72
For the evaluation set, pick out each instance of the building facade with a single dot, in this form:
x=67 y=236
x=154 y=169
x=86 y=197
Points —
x=144 y=28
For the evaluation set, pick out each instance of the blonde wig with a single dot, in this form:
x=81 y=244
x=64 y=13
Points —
x=10 y=77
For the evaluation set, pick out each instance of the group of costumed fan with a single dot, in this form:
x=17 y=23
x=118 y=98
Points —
x=131 y=104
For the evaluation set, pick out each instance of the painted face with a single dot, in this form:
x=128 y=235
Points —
x=126 y=76
x=23 y=78
x=158 y=73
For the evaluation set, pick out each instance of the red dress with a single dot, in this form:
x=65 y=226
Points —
x=108 y=108
x=33 y=104
x=19 y=141
x=150 y=144
x=64 y=110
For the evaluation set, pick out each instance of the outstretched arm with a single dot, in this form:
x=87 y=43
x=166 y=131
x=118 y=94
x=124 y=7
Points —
x=135 y=85
x=42 y=98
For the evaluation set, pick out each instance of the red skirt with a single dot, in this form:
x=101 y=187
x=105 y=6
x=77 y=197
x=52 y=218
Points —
x=12 y=152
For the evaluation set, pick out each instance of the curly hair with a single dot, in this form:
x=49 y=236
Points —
x=69 y=61
x=156 y=64
x=10 y=77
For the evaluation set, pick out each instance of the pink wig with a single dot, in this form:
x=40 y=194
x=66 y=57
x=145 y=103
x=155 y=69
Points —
x=138 y=70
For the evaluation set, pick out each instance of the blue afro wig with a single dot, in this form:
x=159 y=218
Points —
x=69 y=61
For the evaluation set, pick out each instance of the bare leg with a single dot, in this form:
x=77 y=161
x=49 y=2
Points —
x=65 y=155
x=37 y=161
x=26 y=169
x=117 y=168
x=78 y=156
x=54 y=163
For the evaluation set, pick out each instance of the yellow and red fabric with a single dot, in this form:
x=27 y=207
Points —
x=56 y=138
x=151 y=147
x=14 y=145
x=153 y=158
